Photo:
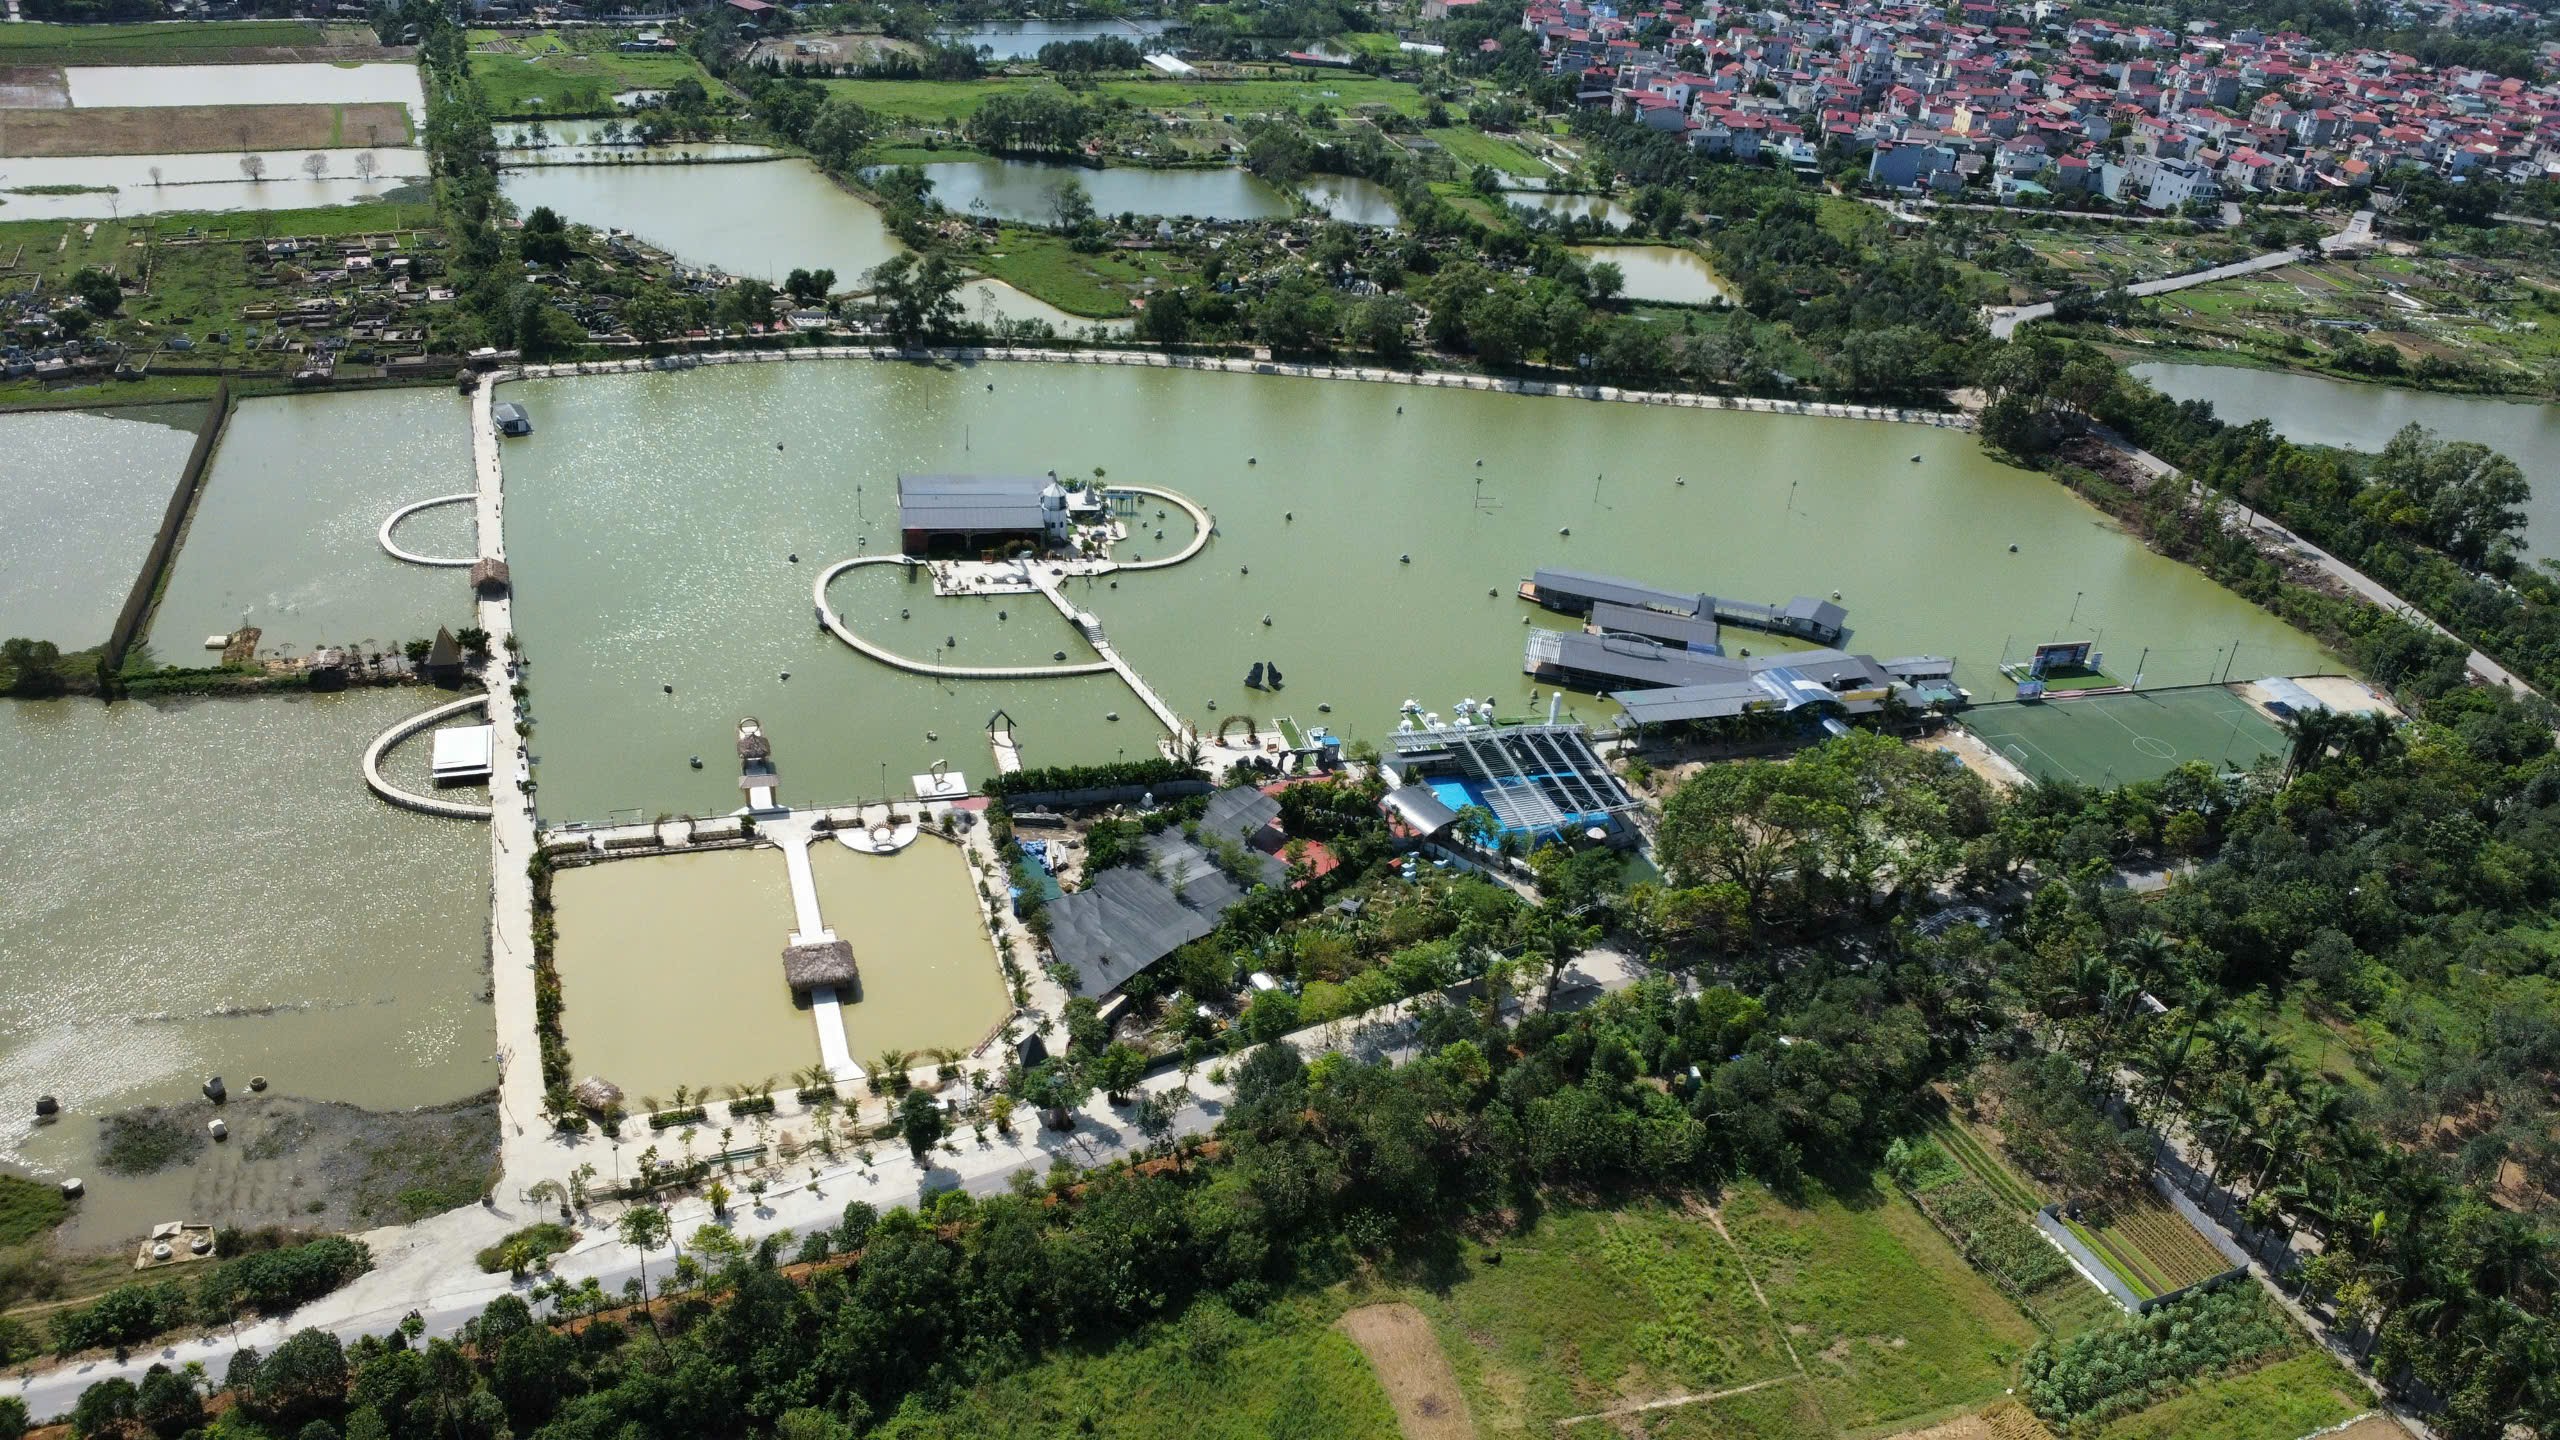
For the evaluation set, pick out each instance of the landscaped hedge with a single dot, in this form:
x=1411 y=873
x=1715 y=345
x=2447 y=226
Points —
x=670 y=1119
x=270 y=1282
x=2147 y=1358
x=1156 y=771
x=746 y=1105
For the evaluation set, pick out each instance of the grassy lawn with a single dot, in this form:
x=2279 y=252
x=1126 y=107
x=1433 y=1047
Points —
x=1854 y=221
x=2290 y=1398
x=1208 y=1375
x=1472 y=147
x=1781 y=1412
x=1098 y=286
x=1597 y=1308
x=1888 y=1319
x=930 y=102
x=1485 y=211
x=28 y=1208
x=545 y=75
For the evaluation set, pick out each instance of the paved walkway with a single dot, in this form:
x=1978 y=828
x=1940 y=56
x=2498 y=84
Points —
x=406 y=799
x=2004 y=320
x=834 y=622
x=1090 y=627
x=397 y=552
x=2272 y=536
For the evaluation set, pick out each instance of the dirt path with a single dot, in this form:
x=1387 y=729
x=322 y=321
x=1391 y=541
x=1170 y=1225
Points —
x=1412 y=1368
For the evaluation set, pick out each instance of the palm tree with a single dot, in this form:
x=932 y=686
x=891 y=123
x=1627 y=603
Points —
x=644 y=1228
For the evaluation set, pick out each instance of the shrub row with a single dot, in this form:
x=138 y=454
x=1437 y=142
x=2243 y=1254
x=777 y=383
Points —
x=2125 y=1367
x=1155 y=771
x=267 y=1281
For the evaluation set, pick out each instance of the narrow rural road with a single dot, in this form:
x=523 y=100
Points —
x=2357 y=234
x=428 y=1269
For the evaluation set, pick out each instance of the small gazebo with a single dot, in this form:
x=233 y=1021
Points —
x=824 y=964
x=489 y=577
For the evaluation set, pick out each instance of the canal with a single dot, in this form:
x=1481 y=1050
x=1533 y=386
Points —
x=2317 y=410
x=653 y=519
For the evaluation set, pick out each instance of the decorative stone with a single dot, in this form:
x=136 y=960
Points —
x=47 y=1107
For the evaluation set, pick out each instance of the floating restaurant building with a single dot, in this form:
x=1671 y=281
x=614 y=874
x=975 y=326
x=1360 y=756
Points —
x=1630 y=602
x=971 y=514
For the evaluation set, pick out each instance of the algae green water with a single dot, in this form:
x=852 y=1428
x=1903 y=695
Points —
x=652 y=518
x=284 y=536
x=206 y=887
x=81 y=495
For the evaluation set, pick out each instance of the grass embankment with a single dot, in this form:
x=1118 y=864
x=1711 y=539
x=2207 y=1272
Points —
x=1470 y=148
x=554 y=73
x=1099 y=286
x=194 y=42
x=937 y=102
x=1209 y=1375
x=187 y=129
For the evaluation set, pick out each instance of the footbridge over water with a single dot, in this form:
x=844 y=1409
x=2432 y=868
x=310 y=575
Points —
x=406 y=799
x=393 y=547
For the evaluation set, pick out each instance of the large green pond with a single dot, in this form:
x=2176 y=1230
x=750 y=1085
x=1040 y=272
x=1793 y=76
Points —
x=652 y=518
x=206 y=887
x=285 y=535
x=2317 y=410
x=81 y=494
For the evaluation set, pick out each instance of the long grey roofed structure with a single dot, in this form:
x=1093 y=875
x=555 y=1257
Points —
x=1420 y=808
x=1697 y=632
x=1123 y=921
x=971 y=502
x=1605 y=661
x=1579 y=589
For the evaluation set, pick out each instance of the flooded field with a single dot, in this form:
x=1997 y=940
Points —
x=81 y=495
x=671 y=972
x=930 y=979
x=1352 y=200
x=652 y=520
x=284 y=536
x=314 y=84
x=123 y=185
x=206 y=887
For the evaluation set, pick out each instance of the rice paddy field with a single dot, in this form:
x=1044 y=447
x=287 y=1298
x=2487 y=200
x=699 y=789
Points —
x=2113 y=739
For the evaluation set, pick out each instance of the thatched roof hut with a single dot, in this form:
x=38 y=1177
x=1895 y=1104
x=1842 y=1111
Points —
x=597 y=1094
x=489 y=577
x=753 y=746
x=827 y=963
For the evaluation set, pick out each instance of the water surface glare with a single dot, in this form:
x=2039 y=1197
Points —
x=651 y=521
x=206 y=887
x=81 y=495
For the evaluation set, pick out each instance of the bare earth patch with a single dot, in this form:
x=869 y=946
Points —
x=1412 y=1368
x=33 y=87
x=1963 y=1427
x=184 y=129
x=2372 y=1427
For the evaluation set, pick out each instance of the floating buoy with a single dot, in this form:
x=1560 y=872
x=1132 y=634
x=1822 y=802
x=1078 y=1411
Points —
x=1835 y=594
x=1915 y=459
x=1324 y=707
x=1244 y=569
x=777 y=444
x=950 y=642
x=2013 y=549
x=1524 y=619
x=1266 y=617
x=929 y=735
x=991 y=387
x=786 y=674
x=1399 y=409
x=47 y=1107
x=1288 y=514
x=257 y=1084
x=697 y=762
x=1001 y=615
x=1680 y=480
x=666 y=689
x=1110 y=714
x=1250 y=460
x=1564 y=529
x=1479 y=462
x=1058 y=655
x=1115 y=584
x=1159 y=534
x=795 y=557
x=1213 y=704
x=1405 y=559
x=902 y=614
x=1491 y=593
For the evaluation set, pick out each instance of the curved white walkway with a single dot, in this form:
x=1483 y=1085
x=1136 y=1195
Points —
x=1200 y=527
x=410 y=799
x=393 y=548
x=834 y=622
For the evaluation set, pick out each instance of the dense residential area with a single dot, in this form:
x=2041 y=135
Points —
x=1346 y=719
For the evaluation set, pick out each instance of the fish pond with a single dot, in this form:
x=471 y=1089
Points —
x=82 y=493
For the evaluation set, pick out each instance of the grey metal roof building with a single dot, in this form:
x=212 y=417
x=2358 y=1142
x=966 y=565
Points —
x=978 y=507
x=1606 y=662
x=1695 y=632
x=1127 y=919
x=1575 y=591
